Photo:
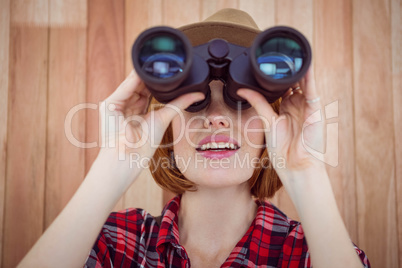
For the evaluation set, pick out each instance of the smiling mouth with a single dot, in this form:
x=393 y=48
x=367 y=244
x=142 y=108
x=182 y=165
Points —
x=218 y=146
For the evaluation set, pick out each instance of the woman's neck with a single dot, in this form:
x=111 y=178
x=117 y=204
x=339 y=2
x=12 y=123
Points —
x=212 y=221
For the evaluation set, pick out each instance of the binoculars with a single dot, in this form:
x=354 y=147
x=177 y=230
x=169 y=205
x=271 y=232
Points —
x=169 y=66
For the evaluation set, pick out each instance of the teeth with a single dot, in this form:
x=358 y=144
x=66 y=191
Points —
x=217 y=145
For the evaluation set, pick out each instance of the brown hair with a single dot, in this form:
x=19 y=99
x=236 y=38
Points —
x=263 y=183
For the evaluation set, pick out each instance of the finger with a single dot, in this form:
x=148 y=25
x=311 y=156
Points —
x=272 y=121
x=309 y=87
x=131 y=85
x=136 y=105
x=260 y=104
x=131 y=97
x=177 y=106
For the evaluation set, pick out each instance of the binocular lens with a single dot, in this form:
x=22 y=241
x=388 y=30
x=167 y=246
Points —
x=162 y=56
x=279 y=57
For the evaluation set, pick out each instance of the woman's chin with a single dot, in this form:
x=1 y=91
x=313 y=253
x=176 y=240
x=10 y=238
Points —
x=219 y=177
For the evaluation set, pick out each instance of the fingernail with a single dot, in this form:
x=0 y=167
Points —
x=240 y=91
x=199 y=96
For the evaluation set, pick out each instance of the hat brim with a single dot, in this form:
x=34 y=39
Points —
x=202 y=32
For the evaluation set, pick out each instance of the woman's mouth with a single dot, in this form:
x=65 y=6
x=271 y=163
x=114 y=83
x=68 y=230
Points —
x=217 y=147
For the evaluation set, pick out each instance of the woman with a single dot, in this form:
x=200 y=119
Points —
x=215 y=221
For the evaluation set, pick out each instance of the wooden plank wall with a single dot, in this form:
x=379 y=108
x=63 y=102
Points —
x=396 y=43
x=374 y=129
x=4 y=72
x=61 y=55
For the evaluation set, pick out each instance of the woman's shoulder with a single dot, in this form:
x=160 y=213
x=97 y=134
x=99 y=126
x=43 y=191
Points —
x=291 y=231
x=123 y=237
x=139 y=221
x=133 y=226
x=131 y=219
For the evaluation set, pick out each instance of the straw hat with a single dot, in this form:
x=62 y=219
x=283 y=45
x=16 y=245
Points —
x=233 y=25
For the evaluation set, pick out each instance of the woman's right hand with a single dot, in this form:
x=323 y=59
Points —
x=126 y=126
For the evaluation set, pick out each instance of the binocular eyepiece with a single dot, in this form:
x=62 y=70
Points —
x=169 y=66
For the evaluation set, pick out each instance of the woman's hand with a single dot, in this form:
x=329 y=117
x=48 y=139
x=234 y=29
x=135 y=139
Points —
x=132 y=126
x=291 y=134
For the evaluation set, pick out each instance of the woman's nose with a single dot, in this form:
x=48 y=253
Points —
x=217 y=114
x=217 y=121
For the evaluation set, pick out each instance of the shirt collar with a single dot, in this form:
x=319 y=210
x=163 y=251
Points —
x=169 y=227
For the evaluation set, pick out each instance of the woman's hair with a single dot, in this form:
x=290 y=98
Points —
x=263 y=183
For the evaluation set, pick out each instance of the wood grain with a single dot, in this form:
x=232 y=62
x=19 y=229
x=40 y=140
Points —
x=30 y=13
x=4 y=69
x=396 y=32
x=65 y=164
x=374 y=128
x=68 y=14
x=105 y=64
x=144 y=193
x=299 y=15
x=334 y=76
x=262 y=11
x=209 y=7
x=296 y=13
x=191 y=12
x=26 y=147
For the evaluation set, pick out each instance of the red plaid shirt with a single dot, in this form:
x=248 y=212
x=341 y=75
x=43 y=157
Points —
x=133 y=238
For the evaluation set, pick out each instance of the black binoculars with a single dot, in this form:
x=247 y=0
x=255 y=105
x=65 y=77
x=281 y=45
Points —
x=169 y=66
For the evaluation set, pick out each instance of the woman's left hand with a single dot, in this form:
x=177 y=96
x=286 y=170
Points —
x=291 y=134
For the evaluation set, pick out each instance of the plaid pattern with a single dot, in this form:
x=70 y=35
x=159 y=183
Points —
x=132 y=238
